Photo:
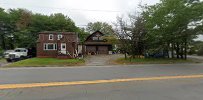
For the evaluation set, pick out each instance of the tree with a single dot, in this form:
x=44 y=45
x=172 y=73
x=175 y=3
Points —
x=131 y=35
x=60 y=22
x=6 y=29
x=82 y=34
x=100 y=26
x=20 y=27
x=168 y=25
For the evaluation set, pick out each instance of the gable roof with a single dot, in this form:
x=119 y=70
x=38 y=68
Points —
x=93 y=34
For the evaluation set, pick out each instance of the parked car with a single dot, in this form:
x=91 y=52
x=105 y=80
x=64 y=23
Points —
x=16 y=54
x=7 y=52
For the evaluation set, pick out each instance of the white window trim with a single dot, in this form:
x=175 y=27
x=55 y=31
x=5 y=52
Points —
x=46 y=45
x=50 y=37
x=60 y=36
x=64 y=45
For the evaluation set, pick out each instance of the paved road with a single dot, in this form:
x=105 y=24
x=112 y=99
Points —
x=35 y=75
x=189 y=89
x=175 y=89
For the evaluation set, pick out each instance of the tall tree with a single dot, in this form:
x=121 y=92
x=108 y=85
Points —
x=131 y=35
x=100 y=26
x=20 y=27
x=168 y=25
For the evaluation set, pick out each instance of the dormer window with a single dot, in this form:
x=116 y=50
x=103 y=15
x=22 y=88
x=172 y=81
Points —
x=60 y=36
x=51 y=37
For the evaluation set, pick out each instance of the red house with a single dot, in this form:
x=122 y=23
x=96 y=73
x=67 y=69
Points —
x=57 y=44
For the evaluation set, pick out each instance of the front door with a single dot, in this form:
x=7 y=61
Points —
x=63 y=48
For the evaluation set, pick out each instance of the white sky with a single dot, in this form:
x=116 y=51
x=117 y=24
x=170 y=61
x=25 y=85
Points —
x=80 y=11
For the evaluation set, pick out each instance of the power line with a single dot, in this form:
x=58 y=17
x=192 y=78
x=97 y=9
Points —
x=81 y=25
x=89 y=10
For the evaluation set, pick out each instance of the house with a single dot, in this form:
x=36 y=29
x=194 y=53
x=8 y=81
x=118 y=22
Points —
x=57 y=44
x=96 y=44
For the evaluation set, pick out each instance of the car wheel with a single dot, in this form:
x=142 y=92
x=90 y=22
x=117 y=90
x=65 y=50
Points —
x=22 y=58
x=8 y=60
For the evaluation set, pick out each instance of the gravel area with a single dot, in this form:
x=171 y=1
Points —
x=101 y=60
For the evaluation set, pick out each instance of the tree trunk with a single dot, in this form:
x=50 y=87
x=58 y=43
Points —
x=177 y=50
x=168 y=47
x=181 y=54
x=125 y=55
x=185 y=51
x=3 y=42
x=172 y=51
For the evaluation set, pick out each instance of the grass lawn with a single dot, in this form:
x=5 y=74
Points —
x=152 y=61
x=2 y=60
x=46 y=62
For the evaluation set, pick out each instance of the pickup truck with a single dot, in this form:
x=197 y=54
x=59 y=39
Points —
x=16 y=55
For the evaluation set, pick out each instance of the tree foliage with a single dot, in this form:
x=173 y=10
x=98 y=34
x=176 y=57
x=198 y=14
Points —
x=20 y=27
x=131 y=35
x=166 y=27
x=172 y=24
x=100 y=26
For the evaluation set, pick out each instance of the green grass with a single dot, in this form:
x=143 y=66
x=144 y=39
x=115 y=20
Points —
x=152 y=61
x=2 y=60
x=46 y=62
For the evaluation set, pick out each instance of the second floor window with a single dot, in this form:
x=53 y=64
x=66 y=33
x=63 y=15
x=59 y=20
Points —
x=60 y=36
x=51 y=37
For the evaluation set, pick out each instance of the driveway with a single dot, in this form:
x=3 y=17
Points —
x=3 y=62
x=199 y=58
x=101 y=60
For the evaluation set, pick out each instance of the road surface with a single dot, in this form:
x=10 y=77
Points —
x=157 y=89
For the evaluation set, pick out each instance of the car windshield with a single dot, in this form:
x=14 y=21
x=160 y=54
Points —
x=18 y=50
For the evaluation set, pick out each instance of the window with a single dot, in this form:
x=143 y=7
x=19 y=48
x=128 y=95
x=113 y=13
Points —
x=50 y=46
x=20 y=50
x=63 y=46
x=60 y=36
x=51 y=36
x=94 y=38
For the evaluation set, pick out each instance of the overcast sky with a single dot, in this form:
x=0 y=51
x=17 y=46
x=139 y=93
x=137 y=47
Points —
x=80 y=11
